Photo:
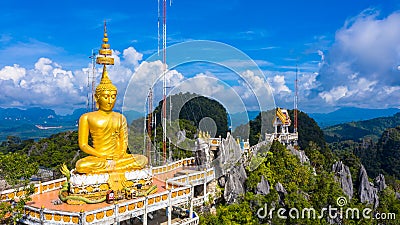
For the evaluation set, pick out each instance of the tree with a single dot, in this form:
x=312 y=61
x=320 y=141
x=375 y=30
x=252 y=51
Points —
x=17 y=170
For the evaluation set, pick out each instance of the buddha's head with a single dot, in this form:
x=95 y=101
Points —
x=106 y=93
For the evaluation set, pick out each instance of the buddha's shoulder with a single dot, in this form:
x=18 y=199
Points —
x=119 y=115
x=88 y=114
x=96 y=114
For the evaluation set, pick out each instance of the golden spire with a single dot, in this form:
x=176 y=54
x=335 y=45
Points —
x=105 y=51
x=102 y=59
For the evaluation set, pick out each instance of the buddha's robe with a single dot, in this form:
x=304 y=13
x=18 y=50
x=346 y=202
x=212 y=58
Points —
x=110 y=141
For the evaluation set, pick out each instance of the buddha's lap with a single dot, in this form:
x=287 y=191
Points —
x=93 y=163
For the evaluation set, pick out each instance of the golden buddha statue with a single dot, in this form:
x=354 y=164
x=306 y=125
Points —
x=109 y=132
x=108 y=129
x=108 y=166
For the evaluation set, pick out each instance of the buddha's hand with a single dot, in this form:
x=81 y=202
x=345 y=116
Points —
x=111 y=164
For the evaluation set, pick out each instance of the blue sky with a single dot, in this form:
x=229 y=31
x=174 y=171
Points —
x=347 y=52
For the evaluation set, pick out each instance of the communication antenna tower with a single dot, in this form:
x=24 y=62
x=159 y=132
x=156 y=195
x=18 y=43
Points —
x=164 y=58
x=93 y=81
x=149 y=126
x=295 y=102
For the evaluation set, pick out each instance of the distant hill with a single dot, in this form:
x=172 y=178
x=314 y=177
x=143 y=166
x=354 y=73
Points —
x=132 y=115
x=22 y=122
x=240 y=118
x=350 y=114
x=372 y=128
x=193 y=107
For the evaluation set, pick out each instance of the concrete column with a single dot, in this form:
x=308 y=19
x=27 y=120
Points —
x=116 y=220
x=41 y=215
x=145 y=212
x=191 y=201
x=205 y=187
x=169 y=207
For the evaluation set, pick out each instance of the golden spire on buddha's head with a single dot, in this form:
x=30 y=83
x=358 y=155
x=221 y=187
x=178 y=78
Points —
x=105 y=83
x=104 y=59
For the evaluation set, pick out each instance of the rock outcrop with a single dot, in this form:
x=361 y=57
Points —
x=380 y=183
x=343 y=176
x=299 y=153
x=366 y=190
x=229 y=154
x=282 y=192
x=263 y=187
x=202 y=153
x=234 y=185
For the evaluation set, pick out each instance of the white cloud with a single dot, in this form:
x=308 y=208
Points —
x=44 y=65
x=147 y=75
x=334 y=94
x=14 y=73
x=207 y=84
x=278 y=85
x=50 y=85
x=361 y=68
x=132 y=57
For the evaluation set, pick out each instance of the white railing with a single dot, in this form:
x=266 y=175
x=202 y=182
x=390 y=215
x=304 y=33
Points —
x=179 y=195
x=35 y=215
x=189 y=221
x=110 y=214
x=44 y=187
x=194 y=179
x=172 y=166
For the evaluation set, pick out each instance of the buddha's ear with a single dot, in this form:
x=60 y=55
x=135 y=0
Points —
x=96 y=98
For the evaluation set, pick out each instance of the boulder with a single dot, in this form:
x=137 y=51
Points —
x=366 y=190
x=343 y=176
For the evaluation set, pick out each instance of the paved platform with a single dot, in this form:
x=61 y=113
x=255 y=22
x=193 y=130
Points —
x=45 y=199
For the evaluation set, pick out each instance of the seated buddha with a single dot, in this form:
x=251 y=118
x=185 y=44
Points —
x=109 y=133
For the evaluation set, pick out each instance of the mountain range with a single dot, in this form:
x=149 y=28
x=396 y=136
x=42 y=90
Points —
x=372 y=129
x=350 y=114
x=36 y=123
x=21 y=122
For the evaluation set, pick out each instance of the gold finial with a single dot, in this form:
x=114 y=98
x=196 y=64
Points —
x=102 y=59
x=105 y=50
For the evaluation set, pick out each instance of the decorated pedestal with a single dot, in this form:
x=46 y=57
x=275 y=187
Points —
x=93 y=188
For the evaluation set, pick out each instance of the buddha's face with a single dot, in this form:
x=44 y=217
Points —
x=106 y=100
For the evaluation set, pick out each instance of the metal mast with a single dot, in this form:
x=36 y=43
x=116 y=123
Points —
x=149 y=126
x=164 y=107
x=295 y=102
x=93 y=79
x=88 y=91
